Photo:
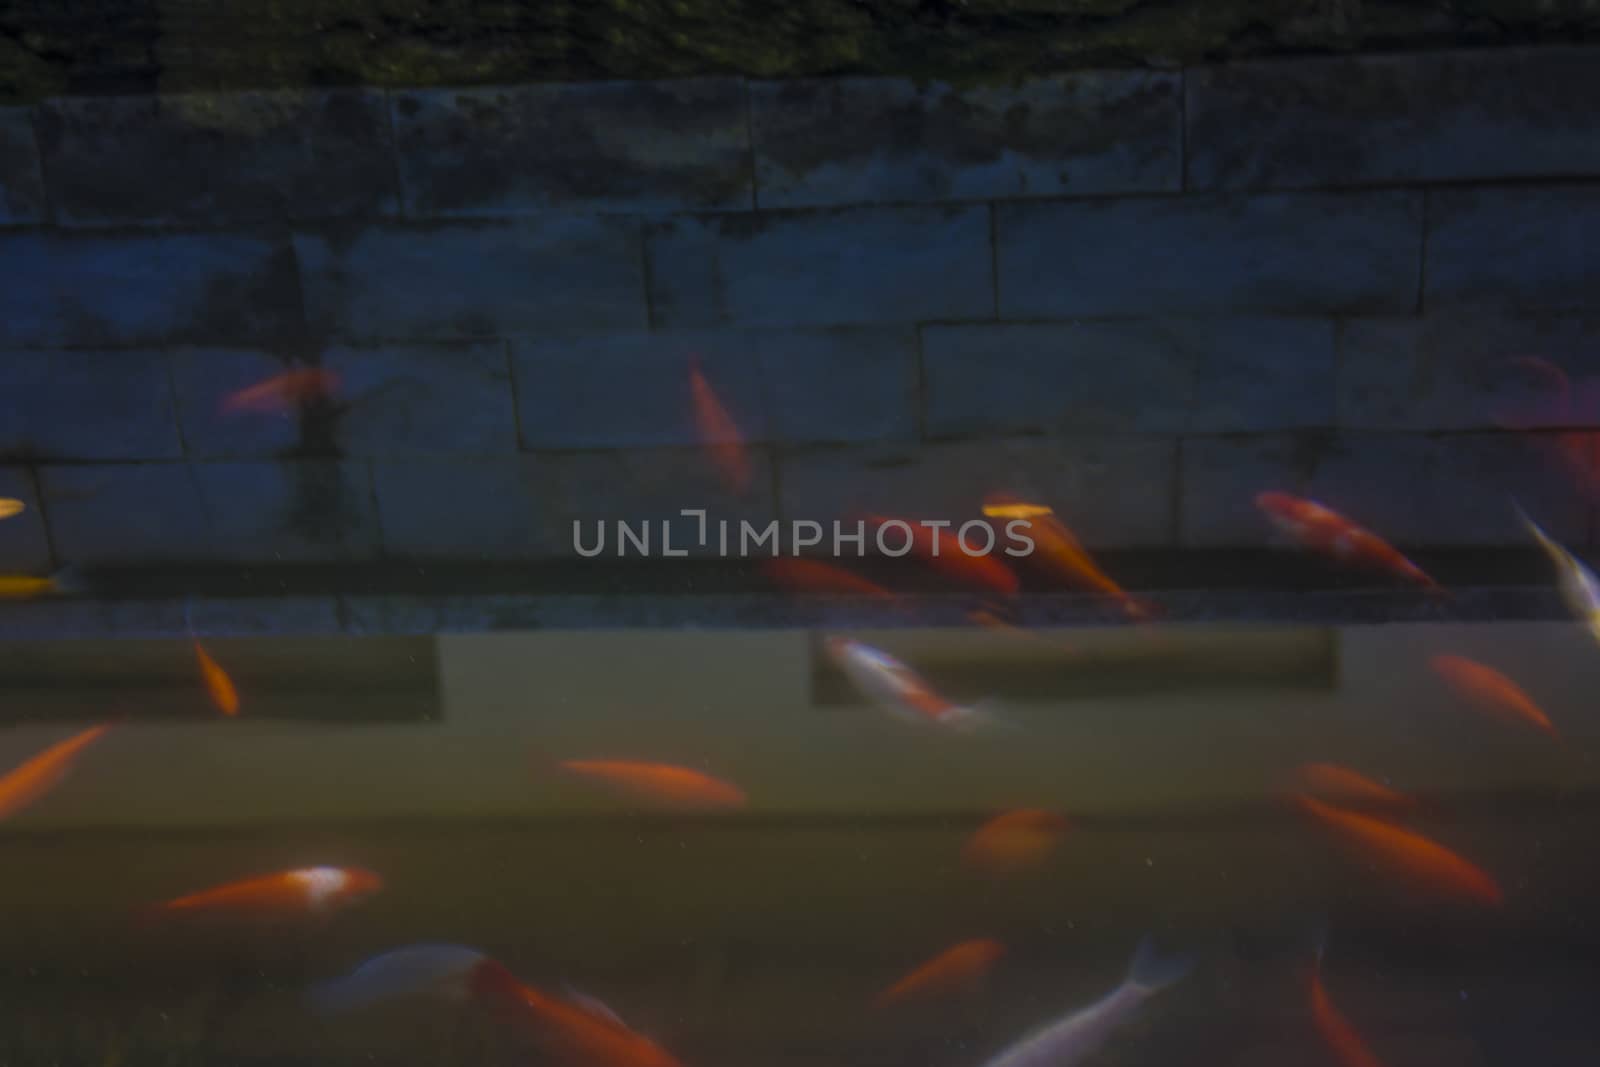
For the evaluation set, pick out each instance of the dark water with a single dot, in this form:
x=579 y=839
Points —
x=761 y=935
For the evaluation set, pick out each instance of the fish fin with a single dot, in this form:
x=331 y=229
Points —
x=1532 y=527
x=593 y=1005
x=1150 y=972
x=985 y=715
x=69 y=580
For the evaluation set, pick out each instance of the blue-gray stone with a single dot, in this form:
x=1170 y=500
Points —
x=22 y=196
x=125 y=513
x=626 y=390
x=1304 y=253
x=294 y=511
x=85 y=404
x=474 y=280
x=58 y=290
x=1470 y=371
x=218 y=157
x=865 y=265
x=1449 y=116
x=1221 y=477
x=1158 y=376
x=485 y=509
x=615 y=146
x=1527 y=246
x=863 y=140
x=24 y=544
x=1112 y=491
x=204 y=379
x=419 y=399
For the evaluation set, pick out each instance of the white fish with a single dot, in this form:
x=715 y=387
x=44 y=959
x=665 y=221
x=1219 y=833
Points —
x=1578 y=585
x=900 y=690
x=1072 y=1039
x=416 y=970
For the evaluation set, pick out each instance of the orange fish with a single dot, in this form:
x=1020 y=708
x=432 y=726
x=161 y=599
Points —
x=955 y=968
x=942 y=552
x=1015 y=841
x=1324 y=530
x=677 y=787
x=318 y=890
x=579 y=1033
x=282 y=393
x=814 y=576
x=719 y=434
x=1490 y=691
x=218 y=684
x=1347 y=1046
x=1427 y=865
x=1059 y=551
x=1348 y=786
x=37 y=776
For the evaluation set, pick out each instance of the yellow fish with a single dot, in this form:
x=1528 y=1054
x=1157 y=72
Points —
x=24 y=586
x=10 y=506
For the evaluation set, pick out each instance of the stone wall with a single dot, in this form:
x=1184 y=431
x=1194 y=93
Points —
x=1141 y=295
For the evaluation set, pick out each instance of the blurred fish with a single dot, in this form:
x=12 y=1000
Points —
x=443 y=971
x=10 y=506
x=1014 y=841
x=1425 y=864
x=1326 y=531
x=1058 y=550
x=1075 y=1038
x=661 y=782
x=578 y=1034
x=1576 y=449
x=24 y=586
x=1490 y=691
x=955 y=968
x=942 y=552
x=282 y=393
x=218 y=685
x=719 y=434
x=814 y=576
x=35 y=777
x=899 y=690
x=317 y=890
x=1345 y=785
x=1000 y=507
x=1347 y=1046
x=1579 y=587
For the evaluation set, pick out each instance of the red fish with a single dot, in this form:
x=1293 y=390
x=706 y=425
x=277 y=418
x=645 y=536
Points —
x=1348 y=786
x=955 y=968
x=1059 y=551
x=283 y=393
x=1491 y=692
x=943 y=553
x=663 y=783
x=1576 y=449
x=1326 y=531
x=814 y=576
x=1425 y=864
x=218 y=685
x=719 y=434
x=32 y=779
x=1347 y=1046
x=317 y=890
x=575 y=1033
x=1014 y=841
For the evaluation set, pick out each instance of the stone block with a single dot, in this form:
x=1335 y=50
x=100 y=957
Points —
x=218 y=158
x=864 y=140
x=422 y=399
x=83 y=291
x=612 y=146
x=24 y=542
x=204 y=378
x=629 y=390
x=1444 y=116
x=87 y=405
x=1523 y=246
x=1301 y=254
x=22 y=198
x=483 y=509
x=288 y=511
x=118 y=514
x=474 y=280
x=1221 y=476
x=856 y=266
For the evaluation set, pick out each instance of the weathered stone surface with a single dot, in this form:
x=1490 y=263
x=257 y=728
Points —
x=433 y=508
x=1526 y=246
x=1388 y=119
x=614 y=146
x=624 y=390
x=218 y=157
x=24 y=545
x=87 y=405
x=1112 y=491
x=1303 y=253
x=1473 y=371
x=124 y=290
x=419 y=399
x=204 y=378
x=125 y=513
x=474 y=280
x=1221 y=476
x=862 y=265
x=864 y=140
x=22 y=196
x=1153 y=377
x=288 y=511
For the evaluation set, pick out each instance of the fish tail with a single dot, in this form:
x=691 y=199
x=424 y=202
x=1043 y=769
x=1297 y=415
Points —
x=986 y=714
x=1150 y=971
